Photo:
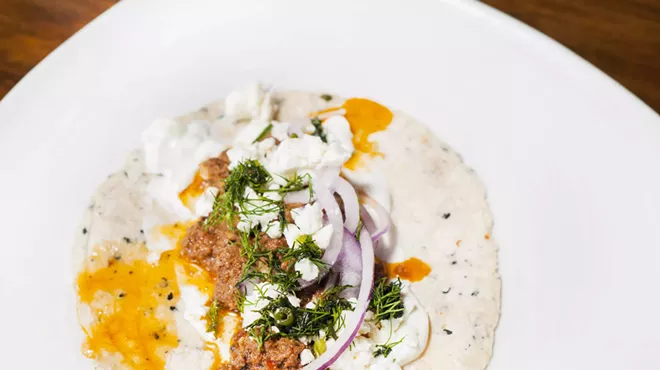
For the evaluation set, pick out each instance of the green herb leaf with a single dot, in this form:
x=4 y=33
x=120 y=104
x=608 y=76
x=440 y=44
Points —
x=386 y=300
x=318 y=129
x=326 y=97
x=263 y=133
x=385 y=349
x=213 y=317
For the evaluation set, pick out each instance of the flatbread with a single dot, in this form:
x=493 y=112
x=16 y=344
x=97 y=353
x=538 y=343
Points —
x=439 y=211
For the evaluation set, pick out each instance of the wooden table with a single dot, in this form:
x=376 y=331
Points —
x=621 y=37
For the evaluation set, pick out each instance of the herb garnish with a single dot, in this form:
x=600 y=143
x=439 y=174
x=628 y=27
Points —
x=305 y=248
x=386 y=302
x=263 y=133
x=213 y=317
x=326 y=97
x=307 y=322
x=385 y=349
x=318 y=129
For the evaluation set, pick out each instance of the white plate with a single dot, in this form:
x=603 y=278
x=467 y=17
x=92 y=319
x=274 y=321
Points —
x=570 y=158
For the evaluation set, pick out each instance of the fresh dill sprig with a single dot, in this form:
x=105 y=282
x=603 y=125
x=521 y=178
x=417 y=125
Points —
x=386 y=302
x=246 y=174
x=318 y=129
x=385 y=349
x=305 y=248
x=300 y=321
x=263 y=133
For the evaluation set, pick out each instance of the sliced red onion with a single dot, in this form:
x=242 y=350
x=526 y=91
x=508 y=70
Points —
x=327 y=177
x=353 y=319
x=382 y=222
x=349 y=265
x=332 y=211
x=300 y=196
x=351 y=204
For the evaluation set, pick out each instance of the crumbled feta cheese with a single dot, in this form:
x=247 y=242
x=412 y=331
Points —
x=291 y=233
x=256 y=211
x=250 y=132
x=174 y=150
x=280 y=130
x=295 y=301
x=306 y=356
x=338 y=131
x=309 y=218
x=204 y=204
x=253 y=151
x=255 y=301
x=274 y=230
x=308 y=270
x=323 y=236
x=249 y=103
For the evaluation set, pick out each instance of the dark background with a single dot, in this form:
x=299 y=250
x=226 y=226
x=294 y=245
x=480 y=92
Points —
x=621 y=37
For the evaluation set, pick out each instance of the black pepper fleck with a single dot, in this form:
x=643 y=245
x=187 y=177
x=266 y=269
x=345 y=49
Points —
x=326 y=97
x=172 y=308
x=84 y=230
x=125 y=174
x=117 y=257
x=446 y=291
x=446 y=215
x=170 y=296
x=475 y=293
x=447 y=331
x=141 y=231
x=156 y=336
x=122 y=295
x=454 y=262
x=127 y=239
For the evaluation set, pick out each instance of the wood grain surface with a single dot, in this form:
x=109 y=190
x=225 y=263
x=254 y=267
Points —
x=621 y=37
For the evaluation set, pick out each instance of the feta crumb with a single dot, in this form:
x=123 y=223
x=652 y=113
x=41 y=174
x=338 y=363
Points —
x=306 y=356
x=309 y=218
x=204 y=204
x=291 y=233
x=295 y=301
x=274 y=230
x=280 y=130
x=322 y=237
x=249 y=103
x=250 y=132
x=308 y=270
x=338 y=131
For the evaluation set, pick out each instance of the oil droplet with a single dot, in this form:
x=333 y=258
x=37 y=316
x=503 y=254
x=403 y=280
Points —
x=194 y=190
x=365 y=117
x=412 y=269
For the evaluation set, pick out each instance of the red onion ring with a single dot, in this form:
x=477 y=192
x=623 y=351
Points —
x=349 y=265
x=354 y=319
x=382 y=223
x=332 y=211
x=351 y=204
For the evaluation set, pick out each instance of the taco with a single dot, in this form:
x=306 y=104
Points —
x=289 y=230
